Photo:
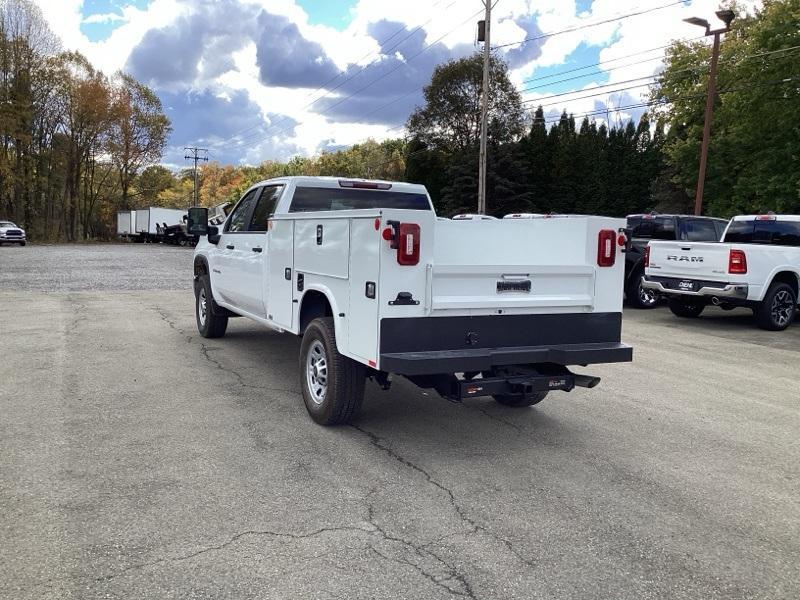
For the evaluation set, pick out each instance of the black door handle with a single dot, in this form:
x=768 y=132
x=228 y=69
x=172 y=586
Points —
x=230 y=247
x=256 y=249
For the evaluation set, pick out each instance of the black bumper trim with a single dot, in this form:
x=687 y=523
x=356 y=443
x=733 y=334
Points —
x=482 y=359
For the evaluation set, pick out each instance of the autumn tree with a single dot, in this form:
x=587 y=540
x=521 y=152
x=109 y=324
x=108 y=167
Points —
x=138 y=130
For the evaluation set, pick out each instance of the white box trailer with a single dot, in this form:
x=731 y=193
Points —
x=148 y=220
x=124 y=222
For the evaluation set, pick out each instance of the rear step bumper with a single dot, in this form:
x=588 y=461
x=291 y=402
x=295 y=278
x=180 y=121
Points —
x=736 y=291
x=483 y=359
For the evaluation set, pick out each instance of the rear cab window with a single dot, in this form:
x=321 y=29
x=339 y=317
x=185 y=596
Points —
x=655 y=228
x=699 y=230
x=310 y=199
x=764 y=231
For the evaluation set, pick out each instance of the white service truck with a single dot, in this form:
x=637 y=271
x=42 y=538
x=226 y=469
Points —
x=376 y=285
x=757 y=265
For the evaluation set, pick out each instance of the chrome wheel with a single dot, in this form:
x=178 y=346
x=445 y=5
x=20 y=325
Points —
x=317 y=372
x=782 y=309
x=202 y=307
x=647 y=297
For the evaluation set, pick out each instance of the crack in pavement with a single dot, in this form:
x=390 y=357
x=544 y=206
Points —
x=224 y=545
x=77 y=308
x=421 y=551
x=514 y=426
x=205 y=350
x=475 y=527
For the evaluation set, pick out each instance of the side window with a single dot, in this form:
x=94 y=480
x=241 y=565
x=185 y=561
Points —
x=238 y=219
x=787 y=233
x=265 y=207
x=699 y=230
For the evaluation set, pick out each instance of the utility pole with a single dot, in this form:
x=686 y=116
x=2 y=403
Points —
x=487 y=53
x=727 y=17
x=195 y=156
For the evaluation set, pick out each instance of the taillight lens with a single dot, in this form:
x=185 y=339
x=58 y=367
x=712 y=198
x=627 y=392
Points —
x=737 y=262
x=647 y=255
x=606 y=248
x=408 y=244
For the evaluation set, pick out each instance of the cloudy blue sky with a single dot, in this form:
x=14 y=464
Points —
x=254 y=80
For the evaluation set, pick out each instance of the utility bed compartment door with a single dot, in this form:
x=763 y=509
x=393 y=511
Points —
x=519 y=286
x=322 y=246
x=693 y=260
x=536 y=263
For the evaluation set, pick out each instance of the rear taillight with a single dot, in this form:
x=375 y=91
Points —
x=408 y=244
x=606 y=248
x=737 y=262
x=647 y=255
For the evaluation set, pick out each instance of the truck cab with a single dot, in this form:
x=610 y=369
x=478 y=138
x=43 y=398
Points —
x=376 y=285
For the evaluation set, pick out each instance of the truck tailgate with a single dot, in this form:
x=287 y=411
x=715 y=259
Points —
x=691 y=260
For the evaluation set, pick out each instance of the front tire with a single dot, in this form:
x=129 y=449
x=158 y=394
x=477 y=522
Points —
x=22 y=243
x=209 y=324
x=778 y=308
x=332 y=384
x=687 y=308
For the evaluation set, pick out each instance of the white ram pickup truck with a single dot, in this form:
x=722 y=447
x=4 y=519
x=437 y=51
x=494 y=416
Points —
x=376 y=284
x=757 y=265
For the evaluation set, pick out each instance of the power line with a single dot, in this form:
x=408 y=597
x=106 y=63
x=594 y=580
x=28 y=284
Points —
x=588 y=25
x=646 y=77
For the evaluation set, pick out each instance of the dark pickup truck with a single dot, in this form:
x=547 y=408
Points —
x=653 y=226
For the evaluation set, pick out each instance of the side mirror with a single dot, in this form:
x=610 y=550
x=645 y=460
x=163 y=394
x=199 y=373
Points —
x=197 y=222
x=213 y=234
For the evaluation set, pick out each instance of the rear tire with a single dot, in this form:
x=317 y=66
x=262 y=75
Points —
x=778 y=308
x=688 y=308
x=639 y=297
x=518 y=401
x=209 y=324
x=332 y=384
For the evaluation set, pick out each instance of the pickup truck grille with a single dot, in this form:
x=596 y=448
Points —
x=13 y=233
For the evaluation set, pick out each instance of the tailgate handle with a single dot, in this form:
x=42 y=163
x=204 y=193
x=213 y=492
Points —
x=686 y=248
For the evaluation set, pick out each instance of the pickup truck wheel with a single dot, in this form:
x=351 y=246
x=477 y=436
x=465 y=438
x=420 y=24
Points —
x=208 y=324
x=689 y=308
x=22 y=243
x=640 y=297
x=332 y=384
x=778 y=308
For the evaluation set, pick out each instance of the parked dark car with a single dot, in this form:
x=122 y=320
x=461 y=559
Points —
x=654 y=226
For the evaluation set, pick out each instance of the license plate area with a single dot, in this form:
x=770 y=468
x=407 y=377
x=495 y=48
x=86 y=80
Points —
x=517 y=285
x=687 y=285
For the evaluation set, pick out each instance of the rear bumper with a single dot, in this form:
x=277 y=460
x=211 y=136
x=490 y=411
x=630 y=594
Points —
x=669 y=285
x=458 y=361
x=435 y=345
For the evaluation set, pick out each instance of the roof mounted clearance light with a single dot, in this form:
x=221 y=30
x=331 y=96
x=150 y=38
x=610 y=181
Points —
x=365 y=185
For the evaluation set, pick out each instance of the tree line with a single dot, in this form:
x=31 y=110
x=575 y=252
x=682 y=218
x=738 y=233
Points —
x=72 y=140
x=77 y=145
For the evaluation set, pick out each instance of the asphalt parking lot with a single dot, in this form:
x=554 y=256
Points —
x=138 y=460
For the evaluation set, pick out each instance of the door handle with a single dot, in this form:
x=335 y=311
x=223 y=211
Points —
x=230 y=247
x=256 y=249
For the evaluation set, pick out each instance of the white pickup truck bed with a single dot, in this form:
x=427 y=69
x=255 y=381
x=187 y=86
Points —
x=408 y=293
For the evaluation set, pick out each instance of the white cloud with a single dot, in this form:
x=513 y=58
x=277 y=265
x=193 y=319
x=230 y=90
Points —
x=103 y=18
x=453 y=22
